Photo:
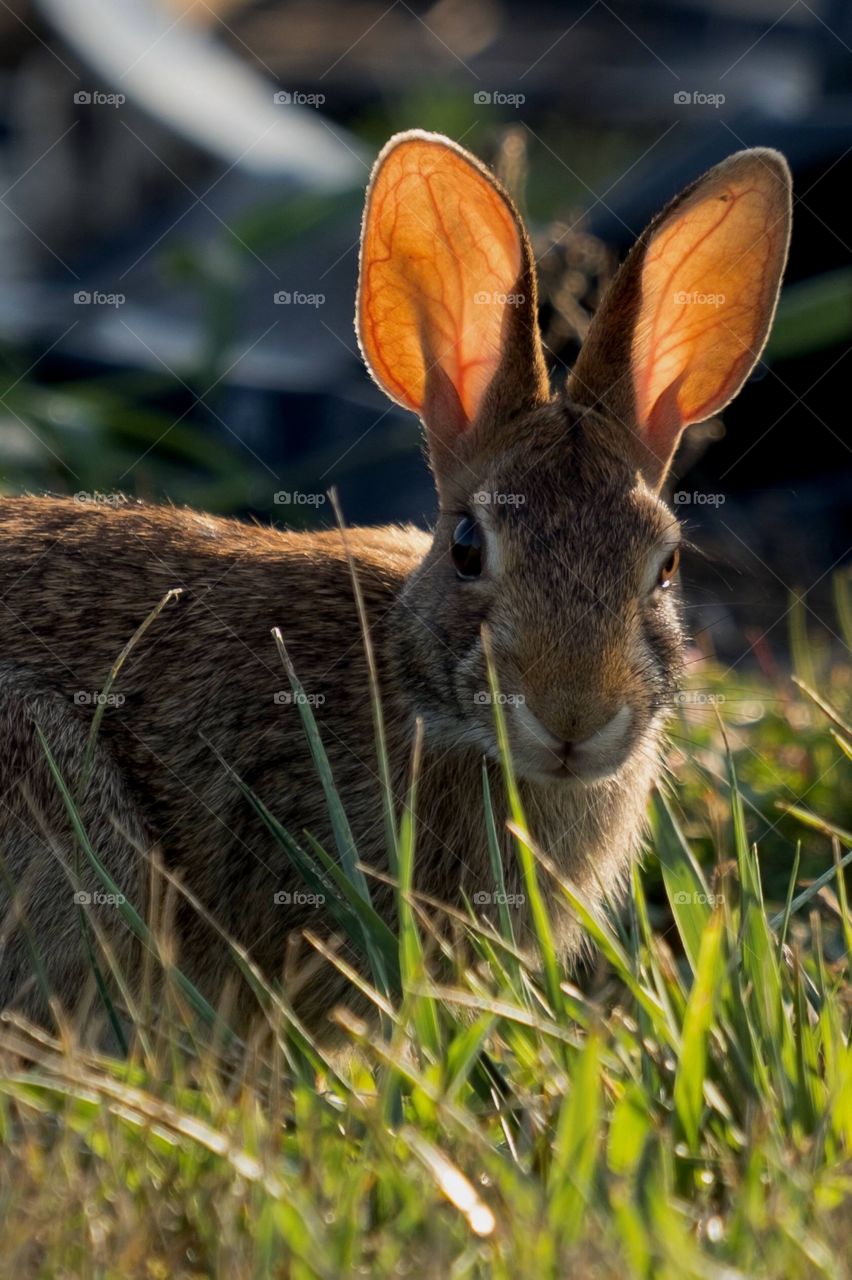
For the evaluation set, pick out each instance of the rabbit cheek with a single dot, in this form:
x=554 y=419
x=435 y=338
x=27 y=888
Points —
x=661 y=663
x=438 y=649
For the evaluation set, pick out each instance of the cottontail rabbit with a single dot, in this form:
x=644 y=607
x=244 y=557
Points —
x=550 y=529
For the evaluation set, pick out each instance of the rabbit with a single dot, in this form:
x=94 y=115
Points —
x=551 y=533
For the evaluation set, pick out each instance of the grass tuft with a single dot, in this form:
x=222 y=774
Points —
x=681 y=1108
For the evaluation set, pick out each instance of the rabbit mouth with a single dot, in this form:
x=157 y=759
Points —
x=541 y=756
x=582 y=775
x=567 y=771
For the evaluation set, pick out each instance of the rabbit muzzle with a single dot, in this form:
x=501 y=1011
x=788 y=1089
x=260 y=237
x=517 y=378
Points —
x=584 y=758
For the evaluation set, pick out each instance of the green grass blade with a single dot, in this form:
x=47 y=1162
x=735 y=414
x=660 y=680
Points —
x=411 y=962
x=538 y=911
x=22 y=921
x=842 y=589
x=496 y=859
x=802 y=899
x=388 y=805
x=340 y=908
x=576 y=1144
x=126 y=908
x=686 y=887
x=113 y=676
x=688 y=1093
x=343 y=837
x=380 y=942
x=788 y=903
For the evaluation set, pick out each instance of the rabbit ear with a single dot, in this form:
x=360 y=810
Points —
x=446 y=312
x=688 y=313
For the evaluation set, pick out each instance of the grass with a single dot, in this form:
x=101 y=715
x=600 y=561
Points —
x=682 y=1107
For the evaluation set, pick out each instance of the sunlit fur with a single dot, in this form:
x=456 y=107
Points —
x=586 y=647
x=570 y=631
x=574 y=633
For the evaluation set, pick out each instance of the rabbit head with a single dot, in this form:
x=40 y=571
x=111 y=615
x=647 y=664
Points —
x=551 y=531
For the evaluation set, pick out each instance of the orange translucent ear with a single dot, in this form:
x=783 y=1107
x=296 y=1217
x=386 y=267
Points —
x=691 y=308
x=709 y=286
x=444 y=258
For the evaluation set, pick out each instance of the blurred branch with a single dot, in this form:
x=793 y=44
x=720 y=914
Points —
x=179 y=74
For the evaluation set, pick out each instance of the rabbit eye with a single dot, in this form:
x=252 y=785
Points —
x=669 y=569
x=466 y=550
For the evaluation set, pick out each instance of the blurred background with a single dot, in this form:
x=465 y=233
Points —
x=180 y=192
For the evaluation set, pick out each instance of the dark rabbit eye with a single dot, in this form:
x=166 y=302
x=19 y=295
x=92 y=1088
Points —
x=669 y=569
x=467 y=548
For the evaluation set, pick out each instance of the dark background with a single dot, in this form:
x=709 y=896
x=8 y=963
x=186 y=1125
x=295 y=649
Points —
x=198 y=198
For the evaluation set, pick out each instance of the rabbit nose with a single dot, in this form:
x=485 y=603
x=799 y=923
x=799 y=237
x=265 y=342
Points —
x=608 y=735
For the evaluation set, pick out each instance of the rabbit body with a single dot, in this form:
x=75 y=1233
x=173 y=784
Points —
x=551 y=538
x=78 y=579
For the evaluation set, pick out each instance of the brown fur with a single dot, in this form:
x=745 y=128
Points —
x=208 y=672
x=576 y=632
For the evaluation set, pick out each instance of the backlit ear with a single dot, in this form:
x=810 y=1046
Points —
x=446 y=312
x=689 y=312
